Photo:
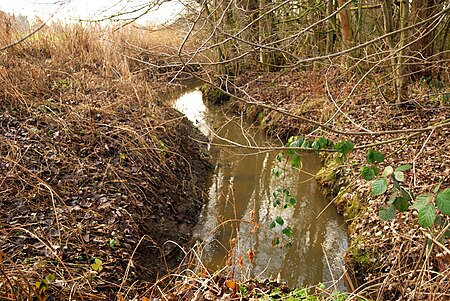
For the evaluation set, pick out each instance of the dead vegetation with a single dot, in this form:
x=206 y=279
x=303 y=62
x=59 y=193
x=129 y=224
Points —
x=95 y=176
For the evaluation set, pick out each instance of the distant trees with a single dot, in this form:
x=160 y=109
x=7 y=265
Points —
x=402 y=39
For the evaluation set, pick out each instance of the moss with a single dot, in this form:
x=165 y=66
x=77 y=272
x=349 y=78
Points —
x=336 y=187
x=214 y=95
x=328 y=176
x=348 y=203
x=361 y=260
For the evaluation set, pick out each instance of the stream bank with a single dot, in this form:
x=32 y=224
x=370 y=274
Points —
x=384 y=256
x=99 y=180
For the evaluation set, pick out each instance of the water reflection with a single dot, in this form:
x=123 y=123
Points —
x=241 y=188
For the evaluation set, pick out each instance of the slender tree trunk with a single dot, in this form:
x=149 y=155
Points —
x=253 y=35
x=422 y=48
x=331 y=26
x=389 y=27
x=346 y=32
x=401 y=68
x=222 y=69
x=444 y=45
x=265 y=33
x=314 y=45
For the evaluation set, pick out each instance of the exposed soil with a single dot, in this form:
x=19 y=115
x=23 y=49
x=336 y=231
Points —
x=92 y=167
x=387 y=259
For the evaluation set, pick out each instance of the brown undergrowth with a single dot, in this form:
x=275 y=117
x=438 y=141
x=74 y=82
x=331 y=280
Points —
x=387 y=260
x=96 y=175
x=193 y=281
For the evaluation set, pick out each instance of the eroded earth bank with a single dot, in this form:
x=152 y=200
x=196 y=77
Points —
x=96 y=174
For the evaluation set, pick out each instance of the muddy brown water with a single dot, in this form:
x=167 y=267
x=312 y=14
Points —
x=241 y=186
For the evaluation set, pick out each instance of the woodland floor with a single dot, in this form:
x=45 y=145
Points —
x=387 y=259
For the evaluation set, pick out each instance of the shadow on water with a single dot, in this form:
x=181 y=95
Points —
x=241 y=187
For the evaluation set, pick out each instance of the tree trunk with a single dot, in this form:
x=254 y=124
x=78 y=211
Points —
x=331 y=26
x=265 y=33
x=314 y=44
x=389 y=27
x=422 y=48
x=346 y=32
x=401 y=70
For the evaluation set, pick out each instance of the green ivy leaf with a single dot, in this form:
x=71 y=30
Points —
x=288 y=231
x=328 y=143
x=295 y=141
x=307 y=144
x=344 y=147
x=379 y=186
x=401 y=204
x=276 y=241
x=277 y=171
x=279 y=220
x=315 y=145
x=422 y=200
x=399 y=176
x=427 y=216
x=443 y=201
x=387 y=213
x=322 y=143
x=406 y=194
x=404 y=167
x=374 y=156
x=369 y=172
x=296 y=161
x=279 y=157
x=292 y=201
x=387 y=171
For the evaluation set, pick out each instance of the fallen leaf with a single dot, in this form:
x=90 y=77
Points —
x=250 y=255
x=232 y=285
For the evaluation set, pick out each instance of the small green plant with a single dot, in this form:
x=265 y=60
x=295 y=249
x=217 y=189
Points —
x=282 y=197
x=342 y=148
x=97 y=266
x=42 y=287
x=431 y=207
x=122 y=156
x=114 y=243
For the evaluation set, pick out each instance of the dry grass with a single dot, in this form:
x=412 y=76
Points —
x=90 y=162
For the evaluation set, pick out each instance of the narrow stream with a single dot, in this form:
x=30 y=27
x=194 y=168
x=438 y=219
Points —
x=241 y=187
